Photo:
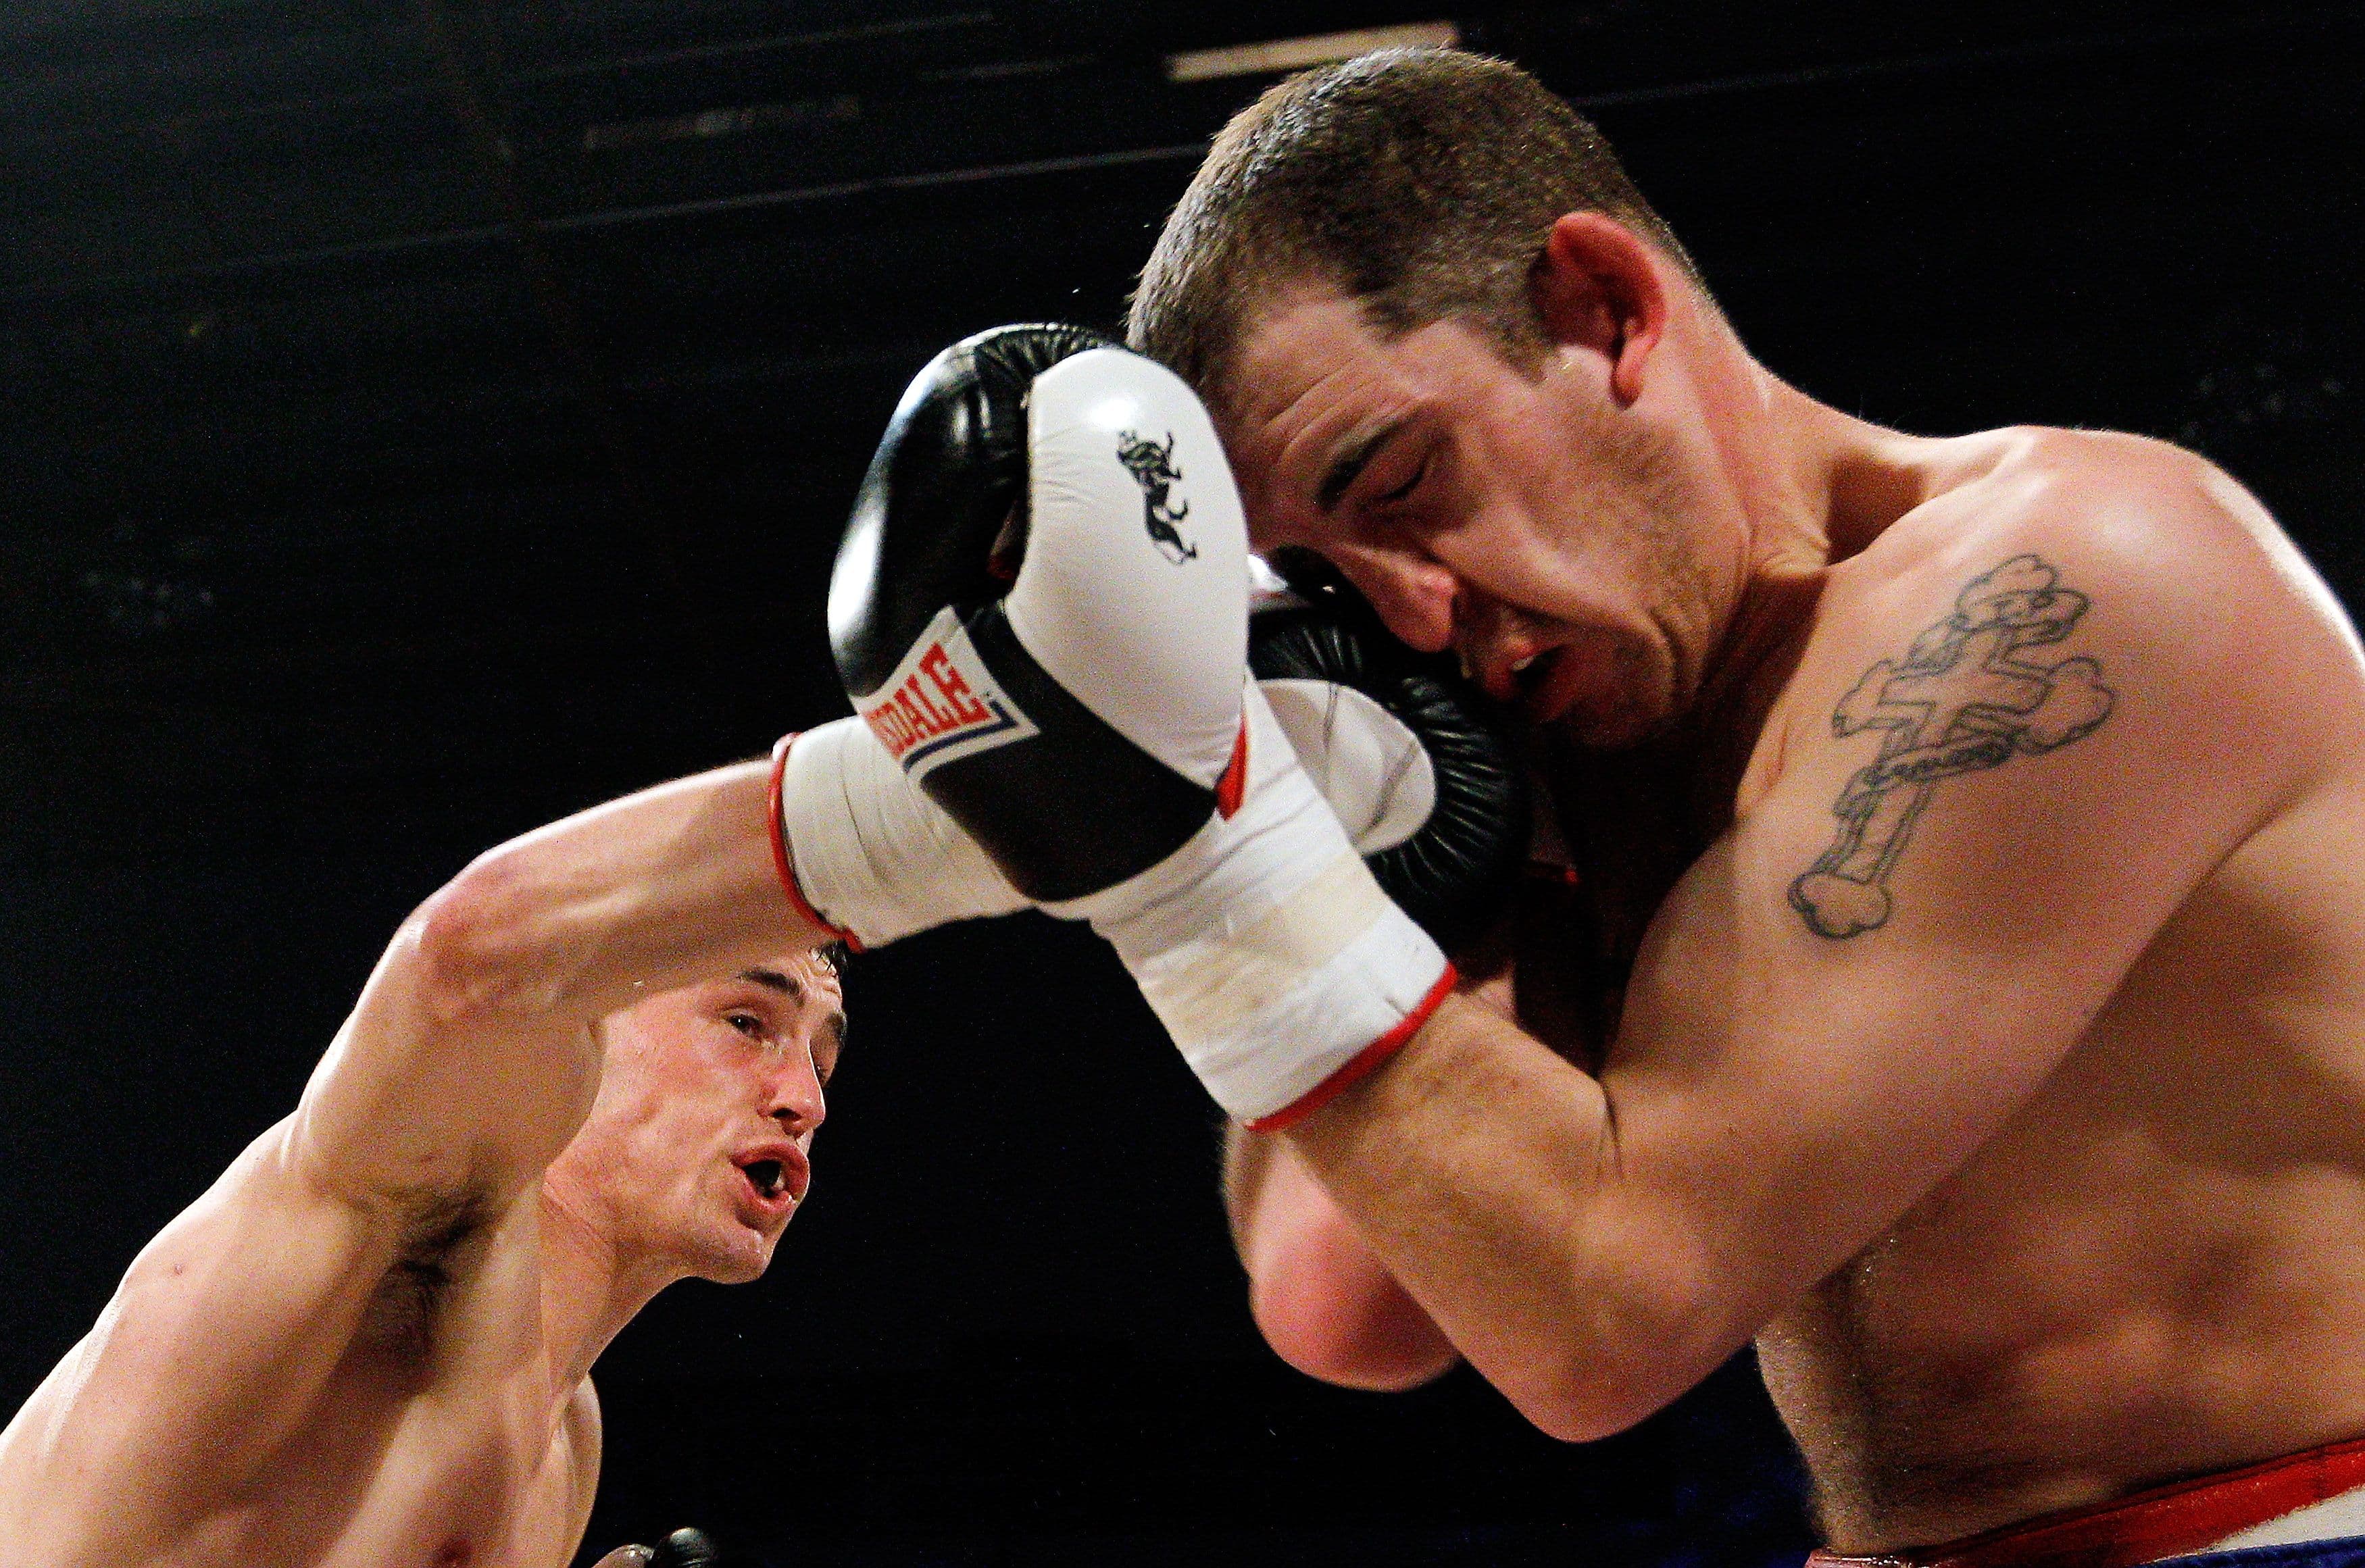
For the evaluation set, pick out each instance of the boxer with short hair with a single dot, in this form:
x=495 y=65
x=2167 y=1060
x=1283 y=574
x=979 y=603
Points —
x=1984 y=812
x=1969 y=825
x=591 y=1065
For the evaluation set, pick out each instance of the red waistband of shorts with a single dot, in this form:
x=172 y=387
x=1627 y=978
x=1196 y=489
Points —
x=2166 y=1521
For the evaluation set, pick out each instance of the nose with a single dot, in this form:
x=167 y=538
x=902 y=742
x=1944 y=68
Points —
x=793 y=1095
x=1413 y=593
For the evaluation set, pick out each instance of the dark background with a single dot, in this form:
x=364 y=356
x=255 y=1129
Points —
x=423 y=417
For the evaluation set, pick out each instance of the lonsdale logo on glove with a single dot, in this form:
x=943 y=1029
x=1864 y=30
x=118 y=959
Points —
x=942 y=703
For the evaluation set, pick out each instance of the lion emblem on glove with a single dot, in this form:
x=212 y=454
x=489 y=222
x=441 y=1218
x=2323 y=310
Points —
x=1152 y=467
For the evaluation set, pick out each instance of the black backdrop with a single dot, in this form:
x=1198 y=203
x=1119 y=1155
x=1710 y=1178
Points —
x=421 y=418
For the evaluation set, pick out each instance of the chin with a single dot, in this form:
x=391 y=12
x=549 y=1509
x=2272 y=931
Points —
x=1617 y=728
x=735 y=1267
x=738 y=1271
x=735 y=1256
x=1609 y=732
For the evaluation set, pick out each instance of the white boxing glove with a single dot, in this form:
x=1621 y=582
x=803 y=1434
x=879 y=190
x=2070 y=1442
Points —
x=1096 y=730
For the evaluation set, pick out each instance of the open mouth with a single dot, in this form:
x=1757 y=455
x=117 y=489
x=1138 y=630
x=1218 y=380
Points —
x=776 y=1174
x=1526 y=684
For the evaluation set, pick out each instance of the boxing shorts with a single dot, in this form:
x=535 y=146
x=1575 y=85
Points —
x=2304 y=1510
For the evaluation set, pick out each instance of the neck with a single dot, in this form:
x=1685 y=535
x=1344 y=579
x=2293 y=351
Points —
x=591 y=1285
x=1816 y=486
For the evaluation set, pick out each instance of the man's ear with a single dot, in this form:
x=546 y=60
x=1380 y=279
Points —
x=1598 y=286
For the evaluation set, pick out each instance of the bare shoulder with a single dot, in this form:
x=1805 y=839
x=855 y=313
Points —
x=2157 y=559
x=205 y=1361
x=267 y=1201
x=235 y=1326
x=2126 y=512
x=2073 y=627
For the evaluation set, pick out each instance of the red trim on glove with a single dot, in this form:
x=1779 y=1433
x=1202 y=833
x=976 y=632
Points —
x=1234 y=784
x=780 y=830
x=1362 y=1062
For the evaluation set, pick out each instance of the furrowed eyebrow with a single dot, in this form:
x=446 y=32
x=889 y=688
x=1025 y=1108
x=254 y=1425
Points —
x=773 y=979
x=1350 y=463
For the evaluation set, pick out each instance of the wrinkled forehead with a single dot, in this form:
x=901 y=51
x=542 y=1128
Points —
x=1285 y=336
x=1310 y=378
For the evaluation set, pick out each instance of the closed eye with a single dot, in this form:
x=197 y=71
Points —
x=1407 y=489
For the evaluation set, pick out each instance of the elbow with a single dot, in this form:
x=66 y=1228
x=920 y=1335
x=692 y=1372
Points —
x=1359 y=1331
x=1583 y=1403
x=1604 y=1370
x=1378 y=1357
x=477 y=948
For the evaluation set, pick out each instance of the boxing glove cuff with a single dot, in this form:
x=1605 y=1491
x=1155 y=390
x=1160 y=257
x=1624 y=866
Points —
x=866 y=852
x=1277 y=965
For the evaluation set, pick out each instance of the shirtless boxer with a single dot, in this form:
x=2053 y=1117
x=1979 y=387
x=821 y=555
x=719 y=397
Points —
x=591 y=1065
x=1998 y=1061
x=1994 y=1055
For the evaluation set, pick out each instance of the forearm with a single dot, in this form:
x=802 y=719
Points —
x=660 y=889
x=1483 y=1170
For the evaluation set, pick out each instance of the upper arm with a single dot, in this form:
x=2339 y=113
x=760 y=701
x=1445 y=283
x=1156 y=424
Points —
x=472 y=1055
x=1890 y=953
x=433 y=1088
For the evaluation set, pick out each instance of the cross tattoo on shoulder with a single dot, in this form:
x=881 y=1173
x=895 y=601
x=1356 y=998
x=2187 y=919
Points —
x=1966 y=697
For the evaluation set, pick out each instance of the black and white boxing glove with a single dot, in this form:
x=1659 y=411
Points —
x=1095 y=728
x=1405 y=749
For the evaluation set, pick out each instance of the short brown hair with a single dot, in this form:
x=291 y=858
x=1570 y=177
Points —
x=1422 y=183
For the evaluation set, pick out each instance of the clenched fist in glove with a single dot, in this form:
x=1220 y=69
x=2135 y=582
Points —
x=1040 y=609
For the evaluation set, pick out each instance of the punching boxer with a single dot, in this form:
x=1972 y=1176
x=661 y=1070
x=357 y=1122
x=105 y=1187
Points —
x=1991 y=1054
x=590 y=1065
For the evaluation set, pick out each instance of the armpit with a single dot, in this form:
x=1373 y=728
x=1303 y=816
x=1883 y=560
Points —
x=441 y=1241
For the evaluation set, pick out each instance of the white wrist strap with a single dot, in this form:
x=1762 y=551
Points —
x=1265 y=948
x=872 y=854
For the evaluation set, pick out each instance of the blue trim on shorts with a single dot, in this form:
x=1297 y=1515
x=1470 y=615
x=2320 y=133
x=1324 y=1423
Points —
x=2344 y=1551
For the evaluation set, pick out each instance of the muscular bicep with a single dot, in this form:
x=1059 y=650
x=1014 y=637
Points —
x=473 y=1052
x=2001 y=800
